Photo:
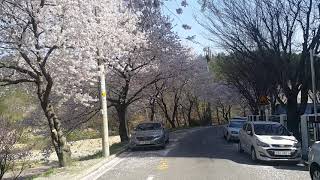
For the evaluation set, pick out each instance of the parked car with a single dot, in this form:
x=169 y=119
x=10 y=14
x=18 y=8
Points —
x=149 y=134
x=269 y=141
x=231 y=130
x=314 y=161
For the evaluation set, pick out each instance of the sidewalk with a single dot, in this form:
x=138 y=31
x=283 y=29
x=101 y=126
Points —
x=80 y=169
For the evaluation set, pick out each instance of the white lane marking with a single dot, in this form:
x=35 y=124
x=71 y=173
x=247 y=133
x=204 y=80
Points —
x=150 y=177
x=105 y=168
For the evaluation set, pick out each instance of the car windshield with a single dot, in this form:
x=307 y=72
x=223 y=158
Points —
x=236 y=124
x=148 y=126
x=271 y=129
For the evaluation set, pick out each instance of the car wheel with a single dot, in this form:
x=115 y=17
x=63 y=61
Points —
x=240 y=147
x=315 y=173
x=253 y=155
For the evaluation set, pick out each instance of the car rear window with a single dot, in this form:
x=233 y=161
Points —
x=148 y=126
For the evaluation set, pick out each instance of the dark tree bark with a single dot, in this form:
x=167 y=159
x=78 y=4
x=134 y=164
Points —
x=152 y=109
x=293 y=115
x=123 y=129
x=191 y=104
x=229 y=111
x=217 y=114
x=58 y=139
x=163 y=105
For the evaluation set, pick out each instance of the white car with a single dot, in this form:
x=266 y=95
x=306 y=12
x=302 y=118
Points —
x=231 y=130
x=314 y=161
x=269 y=141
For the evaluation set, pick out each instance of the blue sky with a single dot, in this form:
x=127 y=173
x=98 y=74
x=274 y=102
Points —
x=188 y=17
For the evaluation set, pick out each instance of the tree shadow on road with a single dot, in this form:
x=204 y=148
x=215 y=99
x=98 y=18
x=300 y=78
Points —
x=209 y=143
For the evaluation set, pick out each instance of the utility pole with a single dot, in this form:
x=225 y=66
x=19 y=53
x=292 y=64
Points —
x=312 y=54
x=104 y=111
x=103 y=100
x=208 y=55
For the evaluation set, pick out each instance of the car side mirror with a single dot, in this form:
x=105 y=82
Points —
x=249 y=133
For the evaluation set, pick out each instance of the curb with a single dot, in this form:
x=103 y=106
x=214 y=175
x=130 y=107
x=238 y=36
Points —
x=87 y=173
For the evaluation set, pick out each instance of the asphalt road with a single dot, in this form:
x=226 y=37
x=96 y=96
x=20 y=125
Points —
x=197 y=154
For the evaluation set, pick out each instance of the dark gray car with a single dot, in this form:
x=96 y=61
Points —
x=149 y=134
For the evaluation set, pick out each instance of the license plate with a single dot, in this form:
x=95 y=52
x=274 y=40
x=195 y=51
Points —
x=282 y=153
x=145 y=142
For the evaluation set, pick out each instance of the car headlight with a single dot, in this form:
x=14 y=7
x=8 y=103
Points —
x=234 y=132
x=297 y=145
x=262 y=144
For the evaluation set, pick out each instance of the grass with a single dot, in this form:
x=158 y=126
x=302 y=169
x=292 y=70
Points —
x=49 y=172
x=37 y=142
x=77 y=135
x=115 y=148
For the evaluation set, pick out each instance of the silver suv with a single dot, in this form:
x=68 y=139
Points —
x=269 y=141
x=151 y=134
x=231 y=130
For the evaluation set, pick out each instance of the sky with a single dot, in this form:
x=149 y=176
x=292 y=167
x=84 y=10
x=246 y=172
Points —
x=188 y=17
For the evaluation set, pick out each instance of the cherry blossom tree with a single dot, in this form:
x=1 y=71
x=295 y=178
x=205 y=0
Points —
x=131 y=76
x=54 y=47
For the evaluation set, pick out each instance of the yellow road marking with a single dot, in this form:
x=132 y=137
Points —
x=163 y=165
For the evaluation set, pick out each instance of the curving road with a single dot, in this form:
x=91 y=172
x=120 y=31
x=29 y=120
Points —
x=196 y=154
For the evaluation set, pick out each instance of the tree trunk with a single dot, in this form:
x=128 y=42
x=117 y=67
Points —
x=217 y=113
x=123 y=129
x=164 y=108
x=229 y=111
x=152 y=113
x=189 y=114
x=178 y=122
x=184 y=116
x=273 y=104
x=293 y=115
x=304 y=100
x=244 y=111
x=175 y=109
x=209 y=115
x=173 y=125
x=152 y=109
x=59 y=142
